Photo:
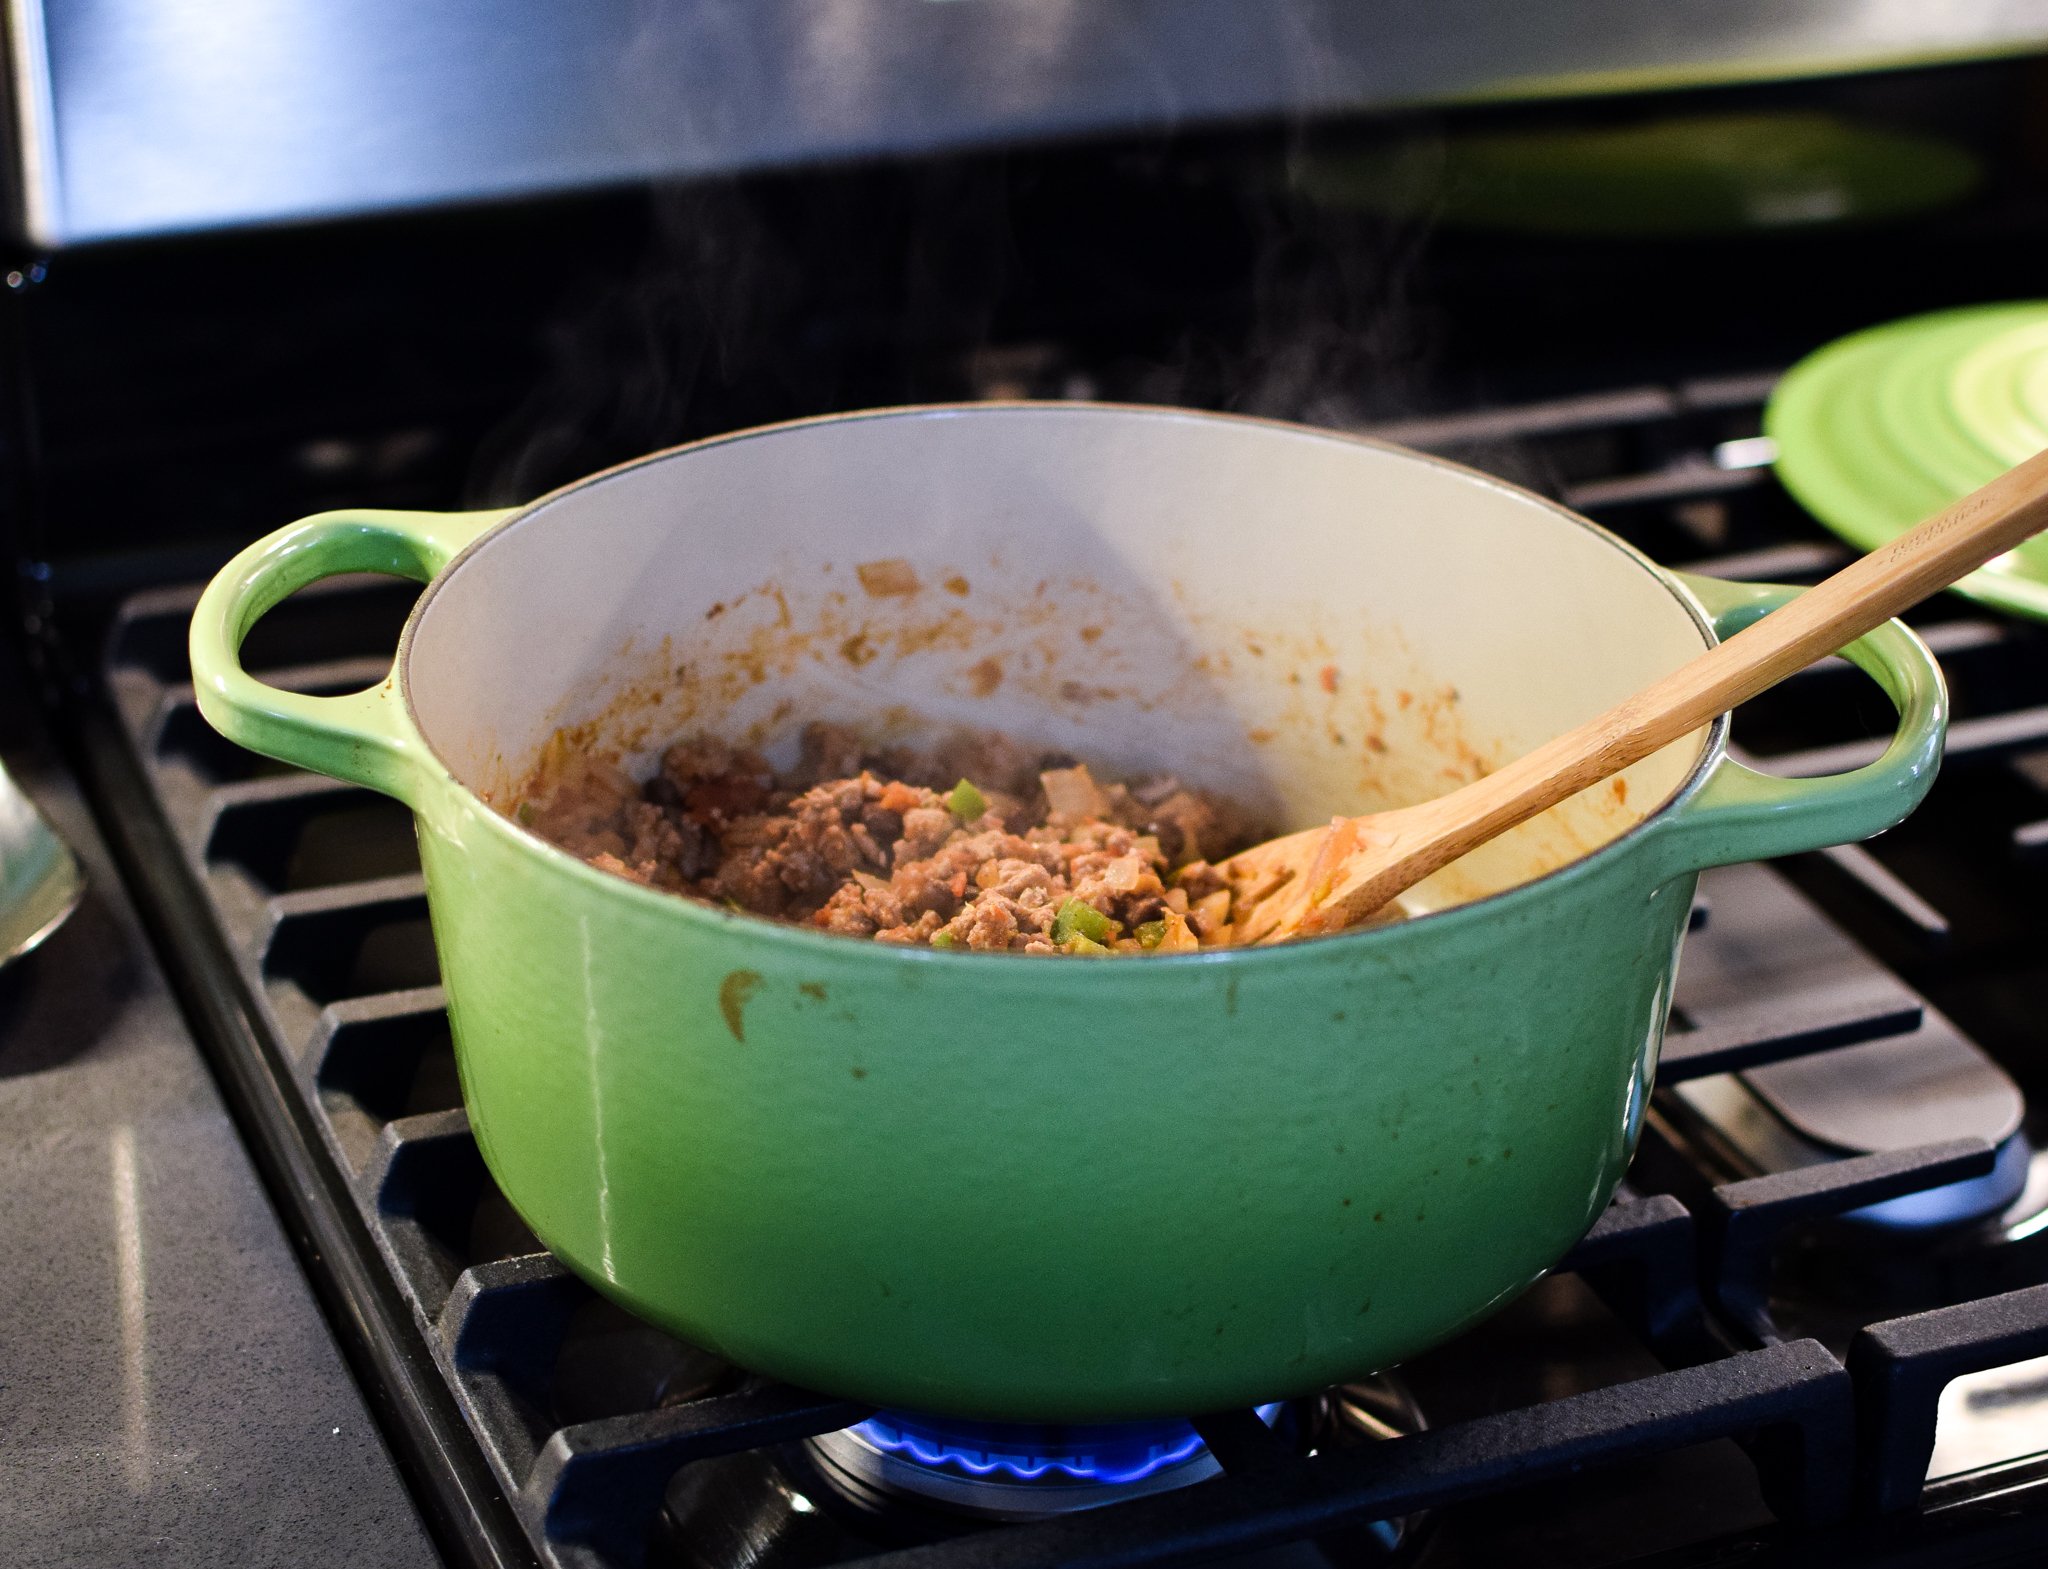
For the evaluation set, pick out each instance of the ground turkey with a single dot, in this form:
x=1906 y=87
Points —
x=977 y=843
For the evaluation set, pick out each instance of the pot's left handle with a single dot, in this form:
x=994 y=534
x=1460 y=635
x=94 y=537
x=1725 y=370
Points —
x=363 y=737
x=1739 y=814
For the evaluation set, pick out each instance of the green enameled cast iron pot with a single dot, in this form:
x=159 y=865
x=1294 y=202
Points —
x=1053 y=1188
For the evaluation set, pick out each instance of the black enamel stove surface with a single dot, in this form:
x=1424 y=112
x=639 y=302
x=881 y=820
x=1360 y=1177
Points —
x=1724 y=1370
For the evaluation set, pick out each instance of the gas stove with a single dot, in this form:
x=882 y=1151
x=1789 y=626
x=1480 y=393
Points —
x=1808 y=1327
x=1827 y=1147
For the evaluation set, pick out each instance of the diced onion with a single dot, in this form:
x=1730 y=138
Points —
x=1072 y=793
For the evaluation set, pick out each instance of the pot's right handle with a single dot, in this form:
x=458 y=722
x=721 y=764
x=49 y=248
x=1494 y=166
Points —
x=364 y=737
x=1740 y=814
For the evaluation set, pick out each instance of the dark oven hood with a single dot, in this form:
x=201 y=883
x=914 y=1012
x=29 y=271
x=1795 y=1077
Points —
x=140 y=117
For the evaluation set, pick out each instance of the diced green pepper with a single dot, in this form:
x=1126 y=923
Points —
x=943 y=939
x=1150 y=934
x=524 y=813
x=1076 y=916
x=1080 y=944
x=966 y=802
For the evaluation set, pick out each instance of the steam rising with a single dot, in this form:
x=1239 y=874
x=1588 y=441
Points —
x=1195 y=273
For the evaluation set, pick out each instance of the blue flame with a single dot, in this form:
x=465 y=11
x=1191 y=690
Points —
x=1113 y=1453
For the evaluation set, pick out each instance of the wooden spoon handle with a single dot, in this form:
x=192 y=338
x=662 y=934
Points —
x=1867 y=592
x=1891 y=579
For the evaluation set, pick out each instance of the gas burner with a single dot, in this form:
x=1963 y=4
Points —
x=2011 y=1195
x=896 y=1481
x=1894 y=1091
x=1368 y=1412
x=1010 y=1470
x=1365 y=1412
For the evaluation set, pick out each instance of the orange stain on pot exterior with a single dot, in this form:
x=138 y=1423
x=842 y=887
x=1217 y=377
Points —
x=734 y=993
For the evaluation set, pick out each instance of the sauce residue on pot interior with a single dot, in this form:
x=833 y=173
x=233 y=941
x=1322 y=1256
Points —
x=1282 y=717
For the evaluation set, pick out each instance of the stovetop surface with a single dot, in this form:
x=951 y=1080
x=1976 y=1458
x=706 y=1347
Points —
x=169 y=1391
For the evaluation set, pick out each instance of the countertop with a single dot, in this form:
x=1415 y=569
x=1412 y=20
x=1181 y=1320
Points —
x=169 y=1393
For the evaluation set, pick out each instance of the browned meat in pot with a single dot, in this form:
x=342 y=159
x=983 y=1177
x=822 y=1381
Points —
x=977 y=844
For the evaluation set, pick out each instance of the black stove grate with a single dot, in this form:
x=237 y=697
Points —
x=504 y=1374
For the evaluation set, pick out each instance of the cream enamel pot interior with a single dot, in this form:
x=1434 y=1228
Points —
x=1048 y=1188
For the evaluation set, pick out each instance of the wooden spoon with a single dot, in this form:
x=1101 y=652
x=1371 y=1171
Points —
x=1325 y=879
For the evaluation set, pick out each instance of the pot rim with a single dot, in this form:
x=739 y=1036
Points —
x=692 y=910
